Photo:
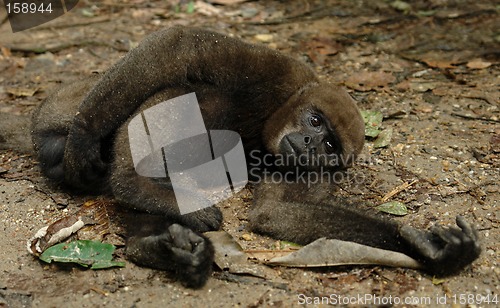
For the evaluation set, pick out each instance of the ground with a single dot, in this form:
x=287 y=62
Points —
x=430 y=67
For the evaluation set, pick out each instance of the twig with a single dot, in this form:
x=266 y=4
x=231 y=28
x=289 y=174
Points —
x=314 y=14
x=397 y=190
x=78 y=24
x=99 y=291
x=464 y=116
x=487 y=98
x=60 y=47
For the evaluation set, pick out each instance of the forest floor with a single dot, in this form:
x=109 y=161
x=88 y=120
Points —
x=430 y=67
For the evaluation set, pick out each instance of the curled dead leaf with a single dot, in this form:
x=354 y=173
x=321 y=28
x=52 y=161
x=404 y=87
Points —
x=96 y=220
x=366 y=81
x=478 y=64
x=22 y=92
x=329 y=252
x=226 y=2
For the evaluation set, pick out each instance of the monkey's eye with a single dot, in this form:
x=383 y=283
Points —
x=315 y=120
x=330 y=147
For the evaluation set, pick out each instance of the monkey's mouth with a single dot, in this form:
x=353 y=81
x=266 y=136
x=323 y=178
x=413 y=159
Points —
x=294 y=155
x=288 y=147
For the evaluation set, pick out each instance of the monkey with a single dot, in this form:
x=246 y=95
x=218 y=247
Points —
x=275 y=103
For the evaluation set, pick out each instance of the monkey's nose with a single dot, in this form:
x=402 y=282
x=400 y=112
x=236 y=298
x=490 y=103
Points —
x=307 y=140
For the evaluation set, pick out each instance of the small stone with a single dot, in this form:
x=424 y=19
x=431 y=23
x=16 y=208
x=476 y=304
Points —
x=265 y=38
x=247 y=237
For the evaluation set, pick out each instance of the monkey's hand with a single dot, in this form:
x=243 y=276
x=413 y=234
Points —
x=178 y=249
x=83 y=165
x=444 y=250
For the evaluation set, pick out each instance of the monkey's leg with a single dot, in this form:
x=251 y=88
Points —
x=153 y=195
x=157 y=243
x=442 y=250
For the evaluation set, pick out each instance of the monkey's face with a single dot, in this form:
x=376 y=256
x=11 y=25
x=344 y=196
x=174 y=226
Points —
x=313 y=144
x=320 y=128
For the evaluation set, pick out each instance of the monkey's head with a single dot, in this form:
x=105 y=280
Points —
x=318 y=127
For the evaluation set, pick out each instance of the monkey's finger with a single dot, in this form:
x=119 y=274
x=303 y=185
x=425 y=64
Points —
x=448 y=235
x=421 y=240
x=180 y=237
x=467 y=228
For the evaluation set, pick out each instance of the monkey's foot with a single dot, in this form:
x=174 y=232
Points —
x=444 y=250
x=179 y=249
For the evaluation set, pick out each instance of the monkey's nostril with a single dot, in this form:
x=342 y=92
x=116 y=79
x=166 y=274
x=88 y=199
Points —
x=307 y=140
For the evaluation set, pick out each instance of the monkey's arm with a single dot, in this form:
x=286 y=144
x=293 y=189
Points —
x=441 y=250
x=176 y=57
x=303 y=223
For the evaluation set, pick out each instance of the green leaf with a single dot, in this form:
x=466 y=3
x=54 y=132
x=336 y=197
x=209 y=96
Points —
x=393 y=207
x=373 y=120
x=95 y=254
x=383 y=139
x=426 y=13
x=286 y=244
x=190 y=7
x=401 y=6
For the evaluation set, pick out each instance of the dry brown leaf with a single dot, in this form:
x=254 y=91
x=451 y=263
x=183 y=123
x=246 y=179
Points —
x=96 y=220
x=478 y=64
x=366 y=81
x=403 y=85
x=495 y=143
x=5 y=52
x=19 y=92
x=439 y=64
x=441 y=91
x=230 y=256
x=319 y=48
x=206 y=9
x=420 y=86
x=437 y=59
x=329 y=252
x=226 y=2
x=424 y=108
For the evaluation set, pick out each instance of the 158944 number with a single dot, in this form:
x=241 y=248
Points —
x=28 y=8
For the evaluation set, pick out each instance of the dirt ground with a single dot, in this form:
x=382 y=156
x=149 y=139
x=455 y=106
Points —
x=431 y=68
